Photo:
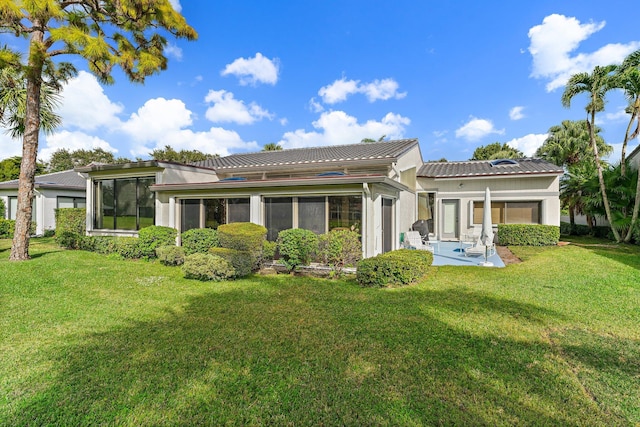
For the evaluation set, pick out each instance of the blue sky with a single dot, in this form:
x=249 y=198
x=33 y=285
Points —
x=456 y=75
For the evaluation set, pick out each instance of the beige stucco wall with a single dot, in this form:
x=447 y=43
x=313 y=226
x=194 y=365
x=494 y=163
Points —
x=544 y=189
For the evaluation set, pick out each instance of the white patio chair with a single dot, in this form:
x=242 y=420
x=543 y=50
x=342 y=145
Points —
x=479 y=249
x=414 y=240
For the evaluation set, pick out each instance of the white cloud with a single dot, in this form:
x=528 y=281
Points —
x=230 y=110
x=382 y=89
x=528 y=144
x=174 y=51
x=214 y=141
x=156 y=118
x=72 y=141
x=9 y=147
x=315 y=106
x=620 y=115
x=176 y=5
x=284 y=121
x=340 y=90
x=557 y=37
x=337 y=127
x=252 y=71
x=516 y=113
x=476 y=129
x=85 y=105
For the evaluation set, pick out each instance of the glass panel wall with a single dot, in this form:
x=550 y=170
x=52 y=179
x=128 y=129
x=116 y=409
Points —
x=190 y=214
x=312 y=214
x=214 y=213
x=70 y=202
x=426 y=202
x=12 y=208
x=345 y=212
x=239 y=210
x=278 y=215
x=123 y=204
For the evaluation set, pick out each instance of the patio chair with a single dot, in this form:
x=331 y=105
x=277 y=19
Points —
x=414 y=240
x=479 y=249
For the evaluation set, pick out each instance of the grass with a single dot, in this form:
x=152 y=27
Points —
x=88 y=340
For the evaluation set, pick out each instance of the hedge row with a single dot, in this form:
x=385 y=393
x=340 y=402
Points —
x=400 y=267
x=528 y=234
x=7 y=227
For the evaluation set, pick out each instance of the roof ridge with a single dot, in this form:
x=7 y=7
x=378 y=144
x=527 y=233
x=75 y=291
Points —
x=354 y=144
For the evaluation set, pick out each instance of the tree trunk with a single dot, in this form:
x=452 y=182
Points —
x=572 y=217
x=623 y=157
x=634 y=215
x=603 y=188
x=20 y=246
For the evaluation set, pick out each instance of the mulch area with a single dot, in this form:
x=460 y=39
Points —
x=507 y=256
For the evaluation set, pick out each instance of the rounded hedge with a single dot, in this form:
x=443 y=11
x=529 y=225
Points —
x=244 y=236
x=170 y=255
x=199 y=240
x=239 y=260
x=297 y=247
x=400 y=267
x=153 y=236
x=207 y=267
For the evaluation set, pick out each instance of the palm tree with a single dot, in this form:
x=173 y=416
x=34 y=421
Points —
x=595 y=85
x=272 y=146
x=568 y=144
x=629 y=81
x=13 y=104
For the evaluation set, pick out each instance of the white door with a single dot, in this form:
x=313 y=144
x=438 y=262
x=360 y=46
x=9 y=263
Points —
x=449 y=219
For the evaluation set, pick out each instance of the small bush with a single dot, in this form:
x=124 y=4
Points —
x=528 y=234
x=70 y=227
x=199 y=240
x=339 y=249
x=69 y=240
x=105 y=245
x=207 y=267
x=7 y=226
x=128 y=247
x=400 y=267
x=49 y=233
x=170 y=255
x=269 y=250
x=153 y=236
x=239 y=260
x=244 y=236
x=297 y=247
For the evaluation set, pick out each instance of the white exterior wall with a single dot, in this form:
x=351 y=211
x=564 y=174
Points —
x=544 y=189
x=45 y=203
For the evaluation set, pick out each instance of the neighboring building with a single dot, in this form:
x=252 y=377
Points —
x=378 y=189
x=634 y=157
x=66 y=189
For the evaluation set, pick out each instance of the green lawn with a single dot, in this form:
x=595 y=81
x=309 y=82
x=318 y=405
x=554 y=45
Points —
x=90 y=340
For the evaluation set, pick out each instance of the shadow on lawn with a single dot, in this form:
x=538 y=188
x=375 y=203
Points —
x=628 y=254
x=312 y=353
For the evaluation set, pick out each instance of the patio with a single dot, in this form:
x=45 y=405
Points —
x=449 y=253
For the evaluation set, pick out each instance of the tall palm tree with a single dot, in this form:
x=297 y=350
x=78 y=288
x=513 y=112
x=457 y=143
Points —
x=629 y=81
x=595 y=85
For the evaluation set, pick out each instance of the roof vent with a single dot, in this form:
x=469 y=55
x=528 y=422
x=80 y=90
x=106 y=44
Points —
x=504 y=162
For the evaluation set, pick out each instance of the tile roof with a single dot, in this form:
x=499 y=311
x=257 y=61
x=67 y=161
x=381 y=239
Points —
x=64 y=179
x=305 y=156
x=474 y=168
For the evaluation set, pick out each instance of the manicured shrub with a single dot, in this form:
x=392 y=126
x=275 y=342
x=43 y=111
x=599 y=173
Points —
x=244 y=236
x=49 y=233
x=269 y=250
x=128 y=247
x=239 y=260
x=297 y=247
x=2 y=209
x=6 y=228
x=199 y=240
x=73 y=220
x=400 y=267
x=207 y=267
x=339 y=249
x=105 y=245
x=154 y=236
x=528 y=234
x=170 y=255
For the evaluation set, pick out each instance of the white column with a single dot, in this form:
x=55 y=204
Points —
x=172 y=212
x=89 y=206
x=255 y=209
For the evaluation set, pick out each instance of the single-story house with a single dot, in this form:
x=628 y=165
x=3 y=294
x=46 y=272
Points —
x=378 y=189
x=66 y=189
